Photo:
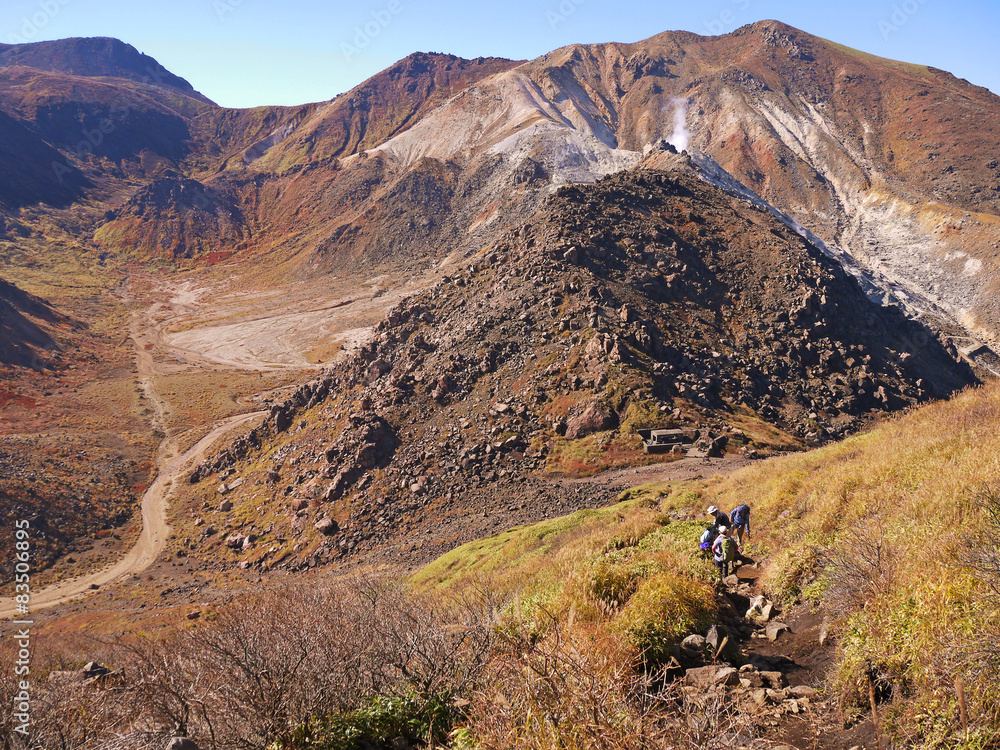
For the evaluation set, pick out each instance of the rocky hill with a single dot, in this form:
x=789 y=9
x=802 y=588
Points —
x=175 y=217
x=649 y=299
x=892 y=162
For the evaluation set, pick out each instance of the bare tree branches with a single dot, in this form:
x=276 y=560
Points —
x=261 y=670
x=862 y=567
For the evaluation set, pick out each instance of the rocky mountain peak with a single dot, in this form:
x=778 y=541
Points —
x=94 y=57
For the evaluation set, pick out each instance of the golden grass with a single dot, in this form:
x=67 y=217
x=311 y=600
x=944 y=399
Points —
x=911 y=484
x=913 y=68
x=627 y=568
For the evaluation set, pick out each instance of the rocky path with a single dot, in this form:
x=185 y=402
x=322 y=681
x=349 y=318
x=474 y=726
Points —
x=674 y=471
x=770 y=668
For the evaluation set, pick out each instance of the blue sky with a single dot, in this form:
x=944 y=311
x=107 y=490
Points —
x=244 y=53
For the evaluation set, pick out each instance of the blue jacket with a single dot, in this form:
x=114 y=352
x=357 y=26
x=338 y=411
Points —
x=741 y=519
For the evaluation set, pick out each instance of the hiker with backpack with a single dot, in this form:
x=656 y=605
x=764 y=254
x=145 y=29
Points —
x=723 y=552
x=740 y=516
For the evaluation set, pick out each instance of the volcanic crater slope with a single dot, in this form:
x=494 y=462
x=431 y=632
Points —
x=649 y=299
x=94 y=57
x=27 y=327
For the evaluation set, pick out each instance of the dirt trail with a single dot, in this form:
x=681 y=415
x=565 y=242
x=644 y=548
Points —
x=180 y=325
x=674 y=471
x=155 y=529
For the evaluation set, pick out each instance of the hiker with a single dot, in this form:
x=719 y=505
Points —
x=721 y=519
x=740 y=516
x=723 y=552
x=707 y=537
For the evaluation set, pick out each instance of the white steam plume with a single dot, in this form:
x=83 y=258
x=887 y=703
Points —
x=679 y=138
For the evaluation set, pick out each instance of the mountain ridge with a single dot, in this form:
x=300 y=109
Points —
x=91 y=57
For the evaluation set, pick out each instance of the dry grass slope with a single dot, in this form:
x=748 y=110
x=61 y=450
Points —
x=880 y=529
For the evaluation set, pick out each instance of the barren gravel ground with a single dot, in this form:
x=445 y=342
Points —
x=155 y=529
x=200 y=325
x=682 y=470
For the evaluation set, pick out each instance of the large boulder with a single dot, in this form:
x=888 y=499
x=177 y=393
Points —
x=708 y=677
x=761 y=610
x=595 y=418
x=694 y=643
x=724 y=645
x=775 y=629
x=327 y=526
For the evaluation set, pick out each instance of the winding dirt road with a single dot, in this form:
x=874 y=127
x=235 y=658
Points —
x=155 y=529
x=201 y=325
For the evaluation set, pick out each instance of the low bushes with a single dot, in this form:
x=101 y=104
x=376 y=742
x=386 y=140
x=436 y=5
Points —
x=664 y=609
x=303 y=667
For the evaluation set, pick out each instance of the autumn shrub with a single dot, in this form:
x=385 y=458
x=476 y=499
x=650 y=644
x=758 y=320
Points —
x=567 y=690
x=288 y=668
x=379 y=721
x=65 y=713
x=583 y=687
x=613 y=582
x=861 y=566
x=664 y=609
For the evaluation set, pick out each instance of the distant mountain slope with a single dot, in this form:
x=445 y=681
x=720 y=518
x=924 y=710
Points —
x=95 y=57
x=27 y=175
x=383 y=106
x=893 y=162
x=436 y=155
x=648 y=299
x=175 y=218
x=26 y=327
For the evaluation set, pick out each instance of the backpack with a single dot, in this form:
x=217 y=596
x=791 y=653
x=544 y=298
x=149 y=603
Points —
x=728 y=549
x=707 y=538
x=740 y=515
